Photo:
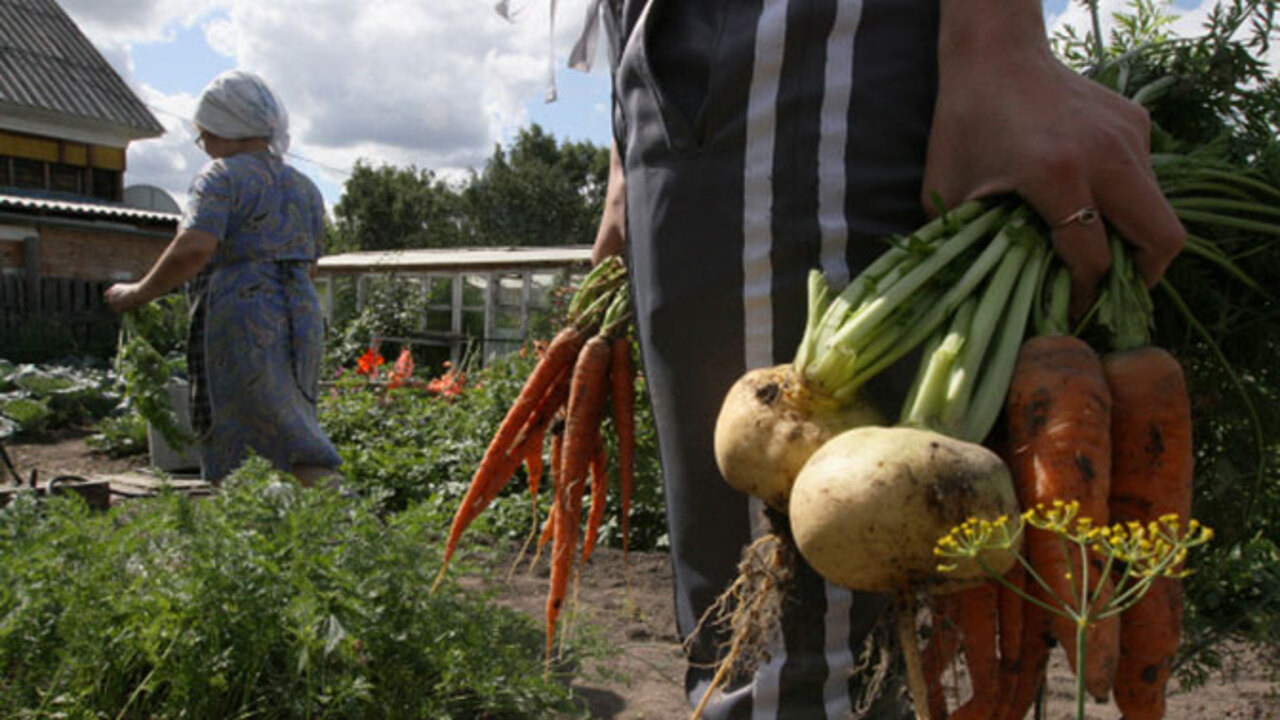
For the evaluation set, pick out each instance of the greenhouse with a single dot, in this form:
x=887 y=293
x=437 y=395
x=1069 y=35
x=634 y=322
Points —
x=461 y=299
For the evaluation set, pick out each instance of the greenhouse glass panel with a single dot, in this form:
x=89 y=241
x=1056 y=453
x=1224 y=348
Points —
x=540 y=287
x=507 y=322
x=440 y=291
x=473 y=290
x=510 y=290
x=473 y=323
x=439 y=321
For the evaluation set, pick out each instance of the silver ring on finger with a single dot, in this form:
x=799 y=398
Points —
x=1087 y=215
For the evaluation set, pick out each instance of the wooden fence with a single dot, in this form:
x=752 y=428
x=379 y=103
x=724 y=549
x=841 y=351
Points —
x=54 y=316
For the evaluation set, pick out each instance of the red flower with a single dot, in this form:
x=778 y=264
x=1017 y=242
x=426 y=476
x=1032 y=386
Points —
x=369 y=363
x=450 y=384
x=402 y=372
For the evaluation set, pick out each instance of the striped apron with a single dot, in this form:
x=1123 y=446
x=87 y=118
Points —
x=761 y=139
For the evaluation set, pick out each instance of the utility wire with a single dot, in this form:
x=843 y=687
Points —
x=188 y=123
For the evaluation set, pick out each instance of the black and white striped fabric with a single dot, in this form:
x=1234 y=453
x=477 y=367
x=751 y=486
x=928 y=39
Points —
x=761 y=138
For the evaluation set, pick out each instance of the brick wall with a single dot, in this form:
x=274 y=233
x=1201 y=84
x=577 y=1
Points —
x=94 y=255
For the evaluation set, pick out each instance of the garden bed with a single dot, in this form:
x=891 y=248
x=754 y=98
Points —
x=641 y=673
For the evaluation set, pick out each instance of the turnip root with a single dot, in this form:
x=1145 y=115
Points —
x=769 y=425
x=774 y=420
x=869 y=506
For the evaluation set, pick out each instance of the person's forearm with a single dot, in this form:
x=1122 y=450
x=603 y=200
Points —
x=977 y=30
x=182 y=260
x=611 y=235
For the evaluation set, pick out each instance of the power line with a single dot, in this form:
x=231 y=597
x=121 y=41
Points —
x=188 y=123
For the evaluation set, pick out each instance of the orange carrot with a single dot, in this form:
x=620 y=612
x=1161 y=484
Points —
x=1152 y=469
x=622 y=378
x=497 y=467
x=586 y=405
x=557 y=442
x=976 y=615
x=940 y=651
x=534 y=467
x=1033 y=663
x=548 y=527
x=558 y=358
x=1011 y=603
x=1010 y=632
x=599 y=487
x=534 y=464
x=1059 y=417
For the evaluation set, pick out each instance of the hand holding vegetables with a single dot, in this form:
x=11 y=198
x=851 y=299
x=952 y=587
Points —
x=1061 y=141
x=982 y=272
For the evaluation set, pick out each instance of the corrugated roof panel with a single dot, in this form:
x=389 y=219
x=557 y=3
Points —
x=48 y=64
x=92 y=210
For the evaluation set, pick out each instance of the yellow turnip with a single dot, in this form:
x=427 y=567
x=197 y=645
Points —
x=769 y=425
x=869 y=507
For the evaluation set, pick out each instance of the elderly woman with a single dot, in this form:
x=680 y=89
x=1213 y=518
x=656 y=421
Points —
x=248 y=242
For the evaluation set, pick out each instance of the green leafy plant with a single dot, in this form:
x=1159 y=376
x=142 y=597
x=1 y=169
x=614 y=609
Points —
x=50 y=397
x=263 y=601
x=120 y=435
x=1212 y=97
x=409 y=445
x=144 y=368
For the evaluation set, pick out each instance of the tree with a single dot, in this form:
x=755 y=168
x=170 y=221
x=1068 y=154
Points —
x=386 y=208
x=538 y=193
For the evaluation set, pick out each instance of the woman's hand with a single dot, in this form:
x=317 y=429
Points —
x=122 y=297
x=184 y=257
x=1011 y=118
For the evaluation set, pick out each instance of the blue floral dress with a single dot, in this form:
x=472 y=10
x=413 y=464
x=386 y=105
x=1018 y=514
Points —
x=257 y=332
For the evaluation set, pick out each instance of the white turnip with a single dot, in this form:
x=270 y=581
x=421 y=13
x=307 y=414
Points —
x=774 y=418
x=868 y=508
x=769 y=425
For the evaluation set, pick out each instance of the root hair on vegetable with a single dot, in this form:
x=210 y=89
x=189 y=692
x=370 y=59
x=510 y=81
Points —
x=749 y=612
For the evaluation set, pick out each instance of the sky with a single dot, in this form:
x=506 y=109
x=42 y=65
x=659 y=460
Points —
x=434 y=84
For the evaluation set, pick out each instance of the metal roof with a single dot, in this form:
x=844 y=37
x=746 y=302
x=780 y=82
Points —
x=92 y=210
x=47 y=64
x=455 y=259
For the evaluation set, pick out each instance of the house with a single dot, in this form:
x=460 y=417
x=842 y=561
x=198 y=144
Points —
x=66 y=121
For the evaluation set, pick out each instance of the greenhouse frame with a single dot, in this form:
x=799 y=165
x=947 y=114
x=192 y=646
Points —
x=491 y=299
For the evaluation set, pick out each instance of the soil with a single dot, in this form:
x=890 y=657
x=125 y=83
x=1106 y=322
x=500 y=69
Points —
x=640 y=675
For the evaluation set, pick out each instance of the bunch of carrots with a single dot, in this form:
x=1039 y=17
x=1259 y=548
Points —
x=1111 y=432
x=582 y=376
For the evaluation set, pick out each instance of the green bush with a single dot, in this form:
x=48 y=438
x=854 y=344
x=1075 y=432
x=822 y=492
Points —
x=408 y=445
x=30 y=415
x=263 y=601
x=393 y=308
x=73 y=393
x=120 y=435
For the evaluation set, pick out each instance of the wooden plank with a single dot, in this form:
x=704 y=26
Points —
x=31 y=273
x=142 y=480
x=96 y=493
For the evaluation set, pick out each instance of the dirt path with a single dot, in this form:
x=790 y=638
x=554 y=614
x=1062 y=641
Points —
x=641 y=676
x=644 y=680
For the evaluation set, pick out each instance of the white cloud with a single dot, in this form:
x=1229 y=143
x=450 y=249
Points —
x=115 y=26
x=434 y=84
x=171 y=160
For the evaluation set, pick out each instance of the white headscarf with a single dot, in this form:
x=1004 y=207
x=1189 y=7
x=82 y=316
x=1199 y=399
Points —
x=238 y=104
